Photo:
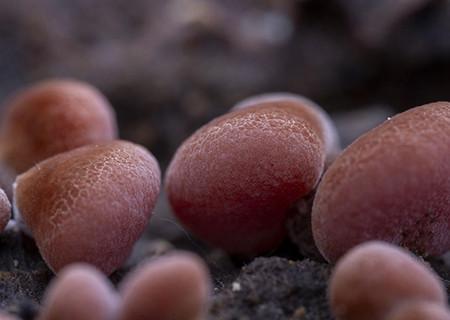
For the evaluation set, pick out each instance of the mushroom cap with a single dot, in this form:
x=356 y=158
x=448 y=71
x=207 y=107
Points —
x=305 y=108
x=172 y=287
x=89 y=204
x=391 y=184
x=233 y=181
x=80 y=292
x=5 y=210
x=374 y=277
x=52 y=117
x=420 y=310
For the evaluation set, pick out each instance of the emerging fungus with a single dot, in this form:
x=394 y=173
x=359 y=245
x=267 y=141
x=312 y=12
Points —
x=80 y=292
x=420 y=311
x=5 y=210
x=234 y=180
x=374 y=278
x=391 y=184
x=89 y=204
x=172 y=287
x=52 y=117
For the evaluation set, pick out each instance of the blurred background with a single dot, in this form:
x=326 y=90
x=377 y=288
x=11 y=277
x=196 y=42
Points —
x=169 y=66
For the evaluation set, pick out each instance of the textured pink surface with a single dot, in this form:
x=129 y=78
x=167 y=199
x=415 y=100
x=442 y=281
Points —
x=392 y=184
x=89 y=204
x=173 y=287
x=233 y=181
x=80 y=292
x=305 y=108
x=374 y=278
x=52 y=117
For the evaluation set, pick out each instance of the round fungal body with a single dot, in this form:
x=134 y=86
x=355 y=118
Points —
x=80 y=292
x=374 y=278
x=89 y=204
x=234 y=180
x=391 y=184
x=5 y=210
x=172 y=287
x=52 y=117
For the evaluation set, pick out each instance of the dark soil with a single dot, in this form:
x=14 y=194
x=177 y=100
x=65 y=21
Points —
x=275 y=288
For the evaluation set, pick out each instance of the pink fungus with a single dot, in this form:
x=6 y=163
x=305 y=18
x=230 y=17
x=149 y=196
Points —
x=172 y=287
x=391 y=184
x=52 y=117
x=375 y=277
x=89 y=204
x=79 y=292
x=234 y=180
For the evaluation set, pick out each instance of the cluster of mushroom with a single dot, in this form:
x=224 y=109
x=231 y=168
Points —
x=236 y=180
x=86 y=197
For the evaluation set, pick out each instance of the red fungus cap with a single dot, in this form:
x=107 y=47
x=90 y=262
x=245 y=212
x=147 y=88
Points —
x=80 y=292
x=233 y=181
x=89 y=204
x=172 y=287
x=52 y=117
x=391 y=184
x=375 y=277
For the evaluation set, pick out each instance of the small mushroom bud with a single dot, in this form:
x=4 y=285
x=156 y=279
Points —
x=391 y=184
x=172 y=287
x=234 y=180
x=52 y=117
x=5 y=210
x=375 y=277
x=89 y=204
x=304 y=108
x=80 y=292
x=419 y=310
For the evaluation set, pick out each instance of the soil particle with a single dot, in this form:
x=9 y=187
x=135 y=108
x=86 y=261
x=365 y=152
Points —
x=275 y=288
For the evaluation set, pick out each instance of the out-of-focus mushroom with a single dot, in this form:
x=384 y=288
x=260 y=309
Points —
x=172 y=287
x=375 y=277
x=80 y=292
x=51 y=117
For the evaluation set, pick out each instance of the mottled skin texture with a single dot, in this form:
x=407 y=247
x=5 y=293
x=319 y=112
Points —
x=391 y=184
x=233 y=181
x=420 y=311
x=5 y=210
x=304 y=108
x=173 y=287
x=375 y=277
x=89 y=204
x=80 y=292
x=52 y=117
